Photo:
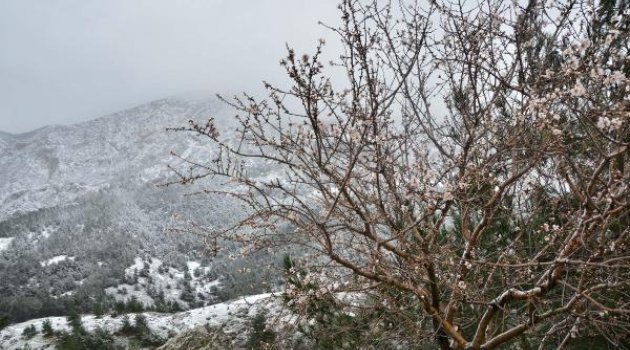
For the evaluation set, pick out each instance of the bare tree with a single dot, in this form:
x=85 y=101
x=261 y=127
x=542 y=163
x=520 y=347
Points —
x=475 y=161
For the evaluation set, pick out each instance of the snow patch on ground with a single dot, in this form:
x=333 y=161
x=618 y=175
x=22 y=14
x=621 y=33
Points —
x=192 y=266
x=35 y=237
x=5 y=243
x=56 y=260
x=233 y=315
x=147 y=278
x=47 y=231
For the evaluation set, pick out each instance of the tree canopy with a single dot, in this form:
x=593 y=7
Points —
x=468 y=178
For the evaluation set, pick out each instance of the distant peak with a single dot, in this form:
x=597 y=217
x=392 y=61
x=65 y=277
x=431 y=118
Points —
x=186 y=100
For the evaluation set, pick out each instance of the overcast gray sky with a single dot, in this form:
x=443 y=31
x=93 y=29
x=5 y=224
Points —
x=64 y=61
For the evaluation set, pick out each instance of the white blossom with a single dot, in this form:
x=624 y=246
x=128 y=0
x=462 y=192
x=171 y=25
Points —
x=461 y=285
x=617 y=77
x=608 y=125
x=573 y=63
x=596 y=72
x=584 y=45
x=578 y=89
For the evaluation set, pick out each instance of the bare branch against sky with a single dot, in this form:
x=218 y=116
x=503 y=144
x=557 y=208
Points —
x=64 y=61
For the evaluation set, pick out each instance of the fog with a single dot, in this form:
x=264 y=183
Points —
x=64 y=61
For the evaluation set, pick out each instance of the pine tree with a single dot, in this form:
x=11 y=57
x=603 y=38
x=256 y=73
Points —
x=98 y=309
x=4 y=321
x=75 y=322
x=47 y=329
x=260 y=337
x=29 y=332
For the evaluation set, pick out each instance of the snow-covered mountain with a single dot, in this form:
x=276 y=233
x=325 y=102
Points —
x=84 y=224
x=55 y=164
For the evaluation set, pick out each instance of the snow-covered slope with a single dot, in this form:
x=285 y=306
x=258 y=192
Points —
x=232 y=317
x=79 y=207
x=55 y=164
x=5 y=242
x=155 y=276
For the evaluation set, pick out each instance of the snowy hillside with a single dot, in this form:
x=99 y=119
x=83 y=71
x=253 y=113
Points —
x=150 y=280
x=232 y=317
x=84 y=224
x=56 y=164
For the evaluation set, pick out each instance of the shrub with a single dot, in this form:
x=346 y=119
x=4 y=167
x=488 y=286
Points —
x=47 y=329
x=29 y=332
x=260 y=335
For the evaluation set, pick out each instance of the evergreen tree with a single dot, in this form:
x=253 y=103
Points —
x=4 y=321
x=260 y=337
x=75 y=322
x=47 y=329
x=98 y=309
x=29 y=332
x=127 y=328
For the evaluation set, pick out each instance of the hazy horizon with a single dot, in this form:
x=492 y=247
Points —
x=191 y=97
x=69 y=61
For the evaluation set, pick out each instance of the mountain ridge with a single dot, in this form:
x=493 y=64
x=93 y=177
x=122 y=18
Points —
x=183 y=100
x=38 y=165
x=85 y=224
